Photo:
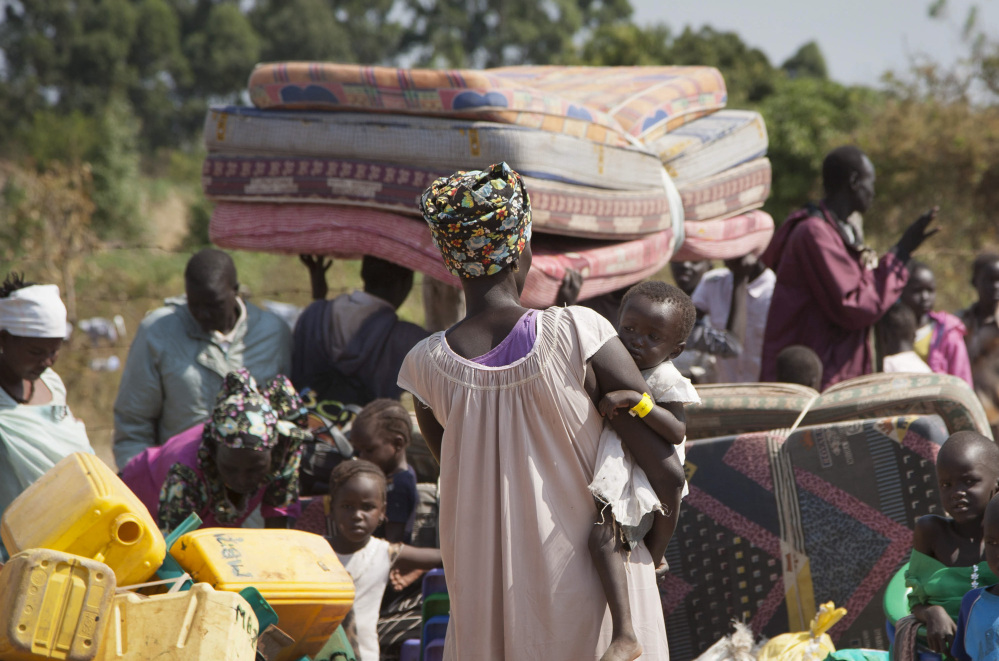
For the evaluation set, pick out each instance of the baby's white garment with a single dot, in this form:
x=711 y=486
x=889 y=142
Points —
x=618 y=481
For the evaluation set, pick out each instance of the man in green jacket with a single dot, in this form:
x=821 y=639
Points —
x=182 y=352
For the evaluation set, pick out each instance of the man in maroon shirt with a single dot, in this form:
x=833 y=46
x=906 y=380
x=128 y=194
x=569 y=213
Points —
x=831 y=289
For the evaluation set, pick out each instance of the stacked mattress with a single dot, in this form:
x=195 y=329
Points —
x=719 y=164
x=333 y=157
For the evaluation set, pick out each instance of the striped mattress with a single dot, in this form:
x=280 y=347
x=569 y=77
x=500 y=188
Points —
x=350 y=232
x=608 y=105
x=442 y=144
x=729 y=193
x=735 y=408
x=725 y=238
x=557 y=208
x=712 y=144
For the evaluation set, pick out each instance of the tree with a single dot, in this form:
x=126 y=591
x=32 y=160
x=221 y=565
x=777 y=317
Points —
x=807 y=62
x=749 y=77
x=623 y=43
x=301 y=30
x=491 y=33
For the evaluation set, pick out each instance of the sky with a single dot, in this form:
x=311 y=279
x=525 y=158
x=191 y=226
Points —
x=860 y=39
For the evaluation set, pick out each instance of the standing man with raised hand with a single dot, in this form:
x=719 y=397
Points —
x=831 y=289
x=183 y=351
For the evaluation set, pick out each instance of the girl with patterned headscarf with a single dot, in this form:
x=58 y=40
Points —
x=503 y=399
x=247 y=455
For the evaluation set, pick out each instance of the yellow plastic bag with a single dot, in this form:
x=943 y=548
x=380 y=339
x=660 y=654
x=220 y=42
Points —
x=812 y=645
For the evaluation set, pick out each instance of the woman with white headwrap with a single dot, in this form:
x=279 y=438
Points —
x=36 y=426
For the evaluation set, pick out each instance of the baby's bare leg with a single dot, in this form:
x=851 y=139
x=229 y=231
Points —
x=605 y=551
x=663 y=526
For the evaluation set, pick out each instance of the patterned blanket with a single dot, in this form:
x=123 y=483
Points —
x=608 y=105
x=350 y=232
x=774 y=526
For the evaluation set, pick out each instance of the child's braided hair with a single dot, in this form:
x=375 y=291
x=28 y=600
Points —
x=387 y=415
x=345 y=471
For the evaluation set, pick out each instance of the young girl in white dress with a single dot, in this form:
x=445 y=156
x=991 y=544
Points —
x=357 y=507
x=655 y=320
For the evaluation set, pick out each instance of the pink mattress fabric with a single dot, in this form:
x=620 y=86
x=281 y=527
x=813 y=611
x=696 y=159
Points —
x=726 y=238
x=349 y=232
x=728 y=193
x=609 y=105
x=557 y=208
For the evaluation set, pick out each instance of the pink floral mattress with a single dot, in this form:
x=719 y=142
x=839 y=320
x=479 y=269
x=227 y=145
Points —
x=609 y=105
x=725 y=238
x=349 y=232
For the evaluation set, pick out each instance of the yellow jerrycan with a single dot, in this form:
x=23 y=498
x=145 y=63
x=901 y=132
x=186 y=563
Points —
x=53 y=605
x=81 y=507
x=199 y=623
x=296 y=572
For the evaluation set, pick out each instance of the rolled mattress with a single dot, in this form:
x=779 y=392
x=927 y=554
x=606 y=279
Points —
x=725 y=238
x=557 y=208
x=350 y=232
x=735 y=408
x=732 y=192
x=436 y=143
x=608 y=105
x=711 y=144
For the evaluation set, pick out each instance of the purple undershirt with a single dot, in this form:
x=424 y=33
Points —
x=514 y=346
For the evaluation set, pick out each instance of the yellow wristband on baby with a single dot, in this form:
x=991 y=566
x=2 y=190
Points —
x=643 y=407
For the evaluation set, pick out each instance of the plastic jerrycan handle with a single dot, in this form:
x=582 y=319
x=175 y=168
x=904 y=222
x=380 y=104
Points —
x=266 y=615
x=170 y=567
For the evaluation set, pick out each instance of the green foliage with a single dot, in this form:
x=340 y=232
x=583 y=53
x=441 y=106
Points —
x=199 y=214
x=222 y=53
x=491 y=33
x=116 y=174
x=623 y=43
x=807 y=62
x=321 y=38
x=53 y=136
x=748 y=74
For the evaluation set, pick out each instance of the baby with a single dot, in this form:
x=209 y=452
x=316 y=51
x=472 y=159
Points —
x=654 y=322
x=977 y=637
x=947 y=551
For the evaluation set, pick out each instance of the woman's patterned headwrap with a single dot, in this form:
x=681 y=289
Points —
x=480 y=219
x=275 y=417
x=242 y=417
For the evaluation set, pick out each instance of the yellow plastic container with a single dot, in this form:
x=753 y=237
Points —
x=81 y=507
x=297 y=572
x=53 y=606
x=198 y=624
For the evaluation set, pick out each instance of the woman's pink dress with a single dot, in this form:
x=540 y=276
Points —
x=520 y=444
